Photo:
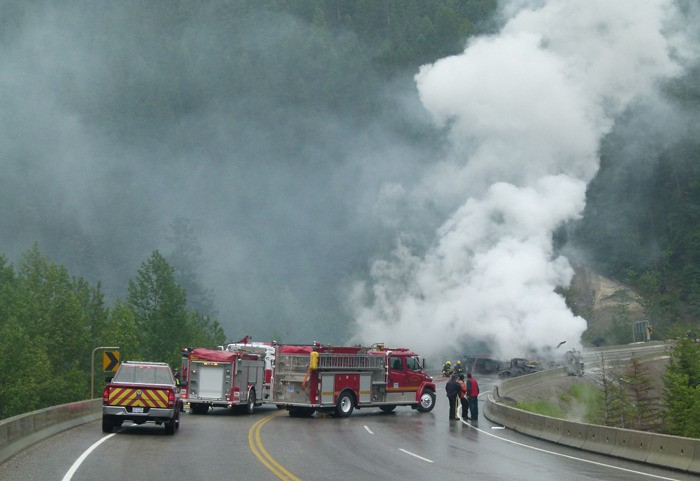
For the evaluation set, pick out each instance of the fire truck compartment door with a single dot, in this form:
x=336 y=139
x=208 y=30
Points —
x=365 y=388
x=211 y=381
x=327 y=388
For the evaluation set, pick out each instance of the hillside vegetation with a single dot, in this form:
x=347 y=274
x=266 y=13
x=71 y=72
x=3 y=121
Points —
x=640 y=229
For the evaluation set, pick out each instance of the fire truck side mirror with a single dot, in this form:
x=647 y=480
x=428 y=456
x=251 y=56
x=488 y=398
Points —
x=182 y=383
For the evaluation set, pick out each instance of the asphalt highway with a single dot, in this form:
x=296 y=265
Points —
x=269 y=445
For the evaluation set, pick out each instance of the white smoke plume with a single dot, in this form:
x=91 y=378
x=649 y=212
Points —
x=525 y=111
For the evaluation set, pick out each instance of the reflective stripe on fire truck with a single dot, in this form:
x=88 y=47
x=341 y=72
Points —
x=401 y=389
x=152 y=398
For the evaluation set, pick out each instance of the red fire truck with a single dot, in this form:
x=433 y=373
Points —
x=337 y=380
x=228 y=378
x=269 y=350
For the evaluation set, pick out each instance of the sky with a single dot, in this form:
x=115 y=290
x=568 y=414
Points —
x=319 y=211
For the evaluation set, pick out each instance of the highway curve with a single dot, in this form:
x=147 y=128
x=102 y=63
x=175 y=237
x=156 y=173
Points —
x=269 y=445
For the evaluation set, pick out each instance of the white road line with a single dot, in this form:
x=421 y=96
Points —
x=570 y=457
x=368 y=430
x=416 y=456
x=79 y=461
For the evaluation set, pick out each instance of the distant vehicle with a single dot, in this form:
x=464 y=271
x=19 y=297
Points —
x=480 y=363
x=574 y=365
x=142 y=392
x=519 y=366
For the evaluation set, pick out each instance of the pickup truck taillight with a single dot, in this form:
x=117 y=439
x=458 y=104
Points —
x=171 y=398
x=105 y=395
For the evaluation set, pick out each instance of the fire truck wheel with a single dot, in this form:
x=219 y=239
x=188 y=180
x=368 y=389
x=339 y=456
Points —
x=388 y=409
x=106 y=423
x=427 y=401
x=199 y=408
x=250 y=406
x=345 y=405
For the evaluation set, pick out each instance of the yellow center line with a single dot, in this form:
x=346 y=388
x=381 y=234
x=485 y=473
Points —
x=263 y=456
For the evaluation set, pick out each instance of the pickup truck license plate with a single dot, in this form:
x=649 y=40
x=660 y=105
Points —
x=137 y=410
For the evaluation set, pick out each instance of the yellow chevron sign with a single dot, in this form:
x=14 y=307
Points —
x=110 y=361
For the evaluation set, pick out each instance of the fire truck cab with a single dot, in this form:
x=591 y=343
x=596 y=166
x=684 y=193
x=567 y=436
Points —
x=336 y=380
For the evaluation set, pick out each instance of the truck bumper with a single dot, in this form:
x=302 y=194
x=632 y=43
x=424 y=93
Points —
x=149 y=414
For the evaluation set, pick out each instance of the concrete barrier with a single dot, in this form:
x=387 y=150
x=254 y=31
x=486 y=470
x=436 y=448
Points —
x=695 y=463
x=673 y=452
x=525 y=423
x=634 y=445
x=600 y=439
x=573 y=434
x=20 y=432
x=551 y=429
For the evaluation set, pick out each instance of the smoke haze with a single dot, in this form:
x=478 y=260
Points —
x=327 y=203
x=526 y=111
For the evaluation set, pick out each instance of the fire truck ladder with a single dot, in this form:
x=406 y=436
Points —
x=350 y=361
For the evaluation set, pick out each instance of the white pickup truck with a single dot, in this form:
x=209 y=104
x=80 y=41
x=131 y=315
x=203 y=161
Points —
x=142 y=392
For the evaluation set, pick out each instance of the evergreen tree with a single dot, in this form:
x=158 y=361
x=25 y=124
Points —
x=159 y=306
x=682 y=389
x=51 y=315
x=644 y=406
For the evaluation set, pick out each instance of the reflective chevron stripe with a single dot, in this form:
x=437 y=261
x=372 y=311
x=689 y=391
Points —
x=127 y=396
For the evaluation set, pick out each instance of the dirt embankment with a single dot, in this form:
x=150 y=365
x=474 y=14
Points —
x=558 y=390
x=600 y=300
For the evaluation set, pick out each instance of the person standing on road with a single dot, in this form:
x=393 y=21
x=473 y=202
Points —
x=453 y=390
x=463 y=397
x=472 y=396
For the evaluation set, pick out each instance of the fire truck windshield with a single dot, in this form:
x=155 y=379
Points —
x=413 y=364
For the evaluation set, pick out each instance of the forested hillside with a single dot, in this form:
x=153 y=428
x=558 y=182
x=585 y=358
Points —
x=52 y=322
x=253 y=142
x=641 y=225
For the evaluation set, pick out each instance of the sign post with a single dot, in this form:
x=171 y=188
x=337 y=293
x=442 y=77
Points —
x=641 y=331
x=110 y=362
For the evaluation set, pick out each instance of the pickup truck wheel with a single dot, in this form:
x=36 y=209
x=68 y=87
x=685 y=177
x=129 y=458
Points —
x=250 y=406
x=172 y=424
x=388 y=409
x=427 y=401
x=106 y=423
x=345 y=405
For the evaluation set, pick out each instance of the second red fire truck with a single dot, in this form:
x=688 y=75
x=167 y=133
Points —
x=336 y=380
x=216 y=378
